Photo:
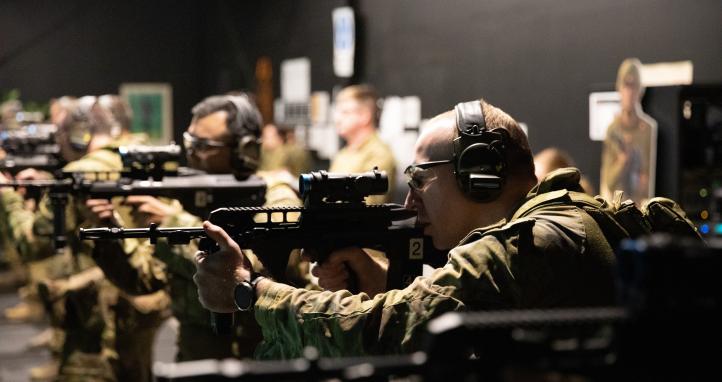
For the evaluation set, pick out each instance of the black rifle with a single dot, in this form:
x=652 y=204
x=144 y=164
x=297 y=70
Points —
x=33 y=146
x=199 y=194
x=30 y=140
x=44 y=162
x=334 y=216
x=146 y=172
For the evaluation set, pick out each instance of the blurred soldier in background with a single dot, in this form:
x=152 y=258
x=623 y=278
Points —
x=279 y=151
x=8 y=112
x=356 y=115
x=89 y=311
x=552 y=158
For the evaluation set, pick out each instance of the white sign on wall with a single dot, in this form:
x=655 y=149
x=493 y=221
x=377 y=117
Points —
x=344 y=41
x=296 y=80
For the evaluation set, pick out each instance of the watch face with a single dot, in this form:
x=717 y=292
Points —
x=243 y=295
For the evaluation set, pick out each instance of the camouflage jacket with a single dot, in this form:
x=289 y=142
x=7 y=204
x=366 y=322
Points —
x=554 y=256
x=32 y=232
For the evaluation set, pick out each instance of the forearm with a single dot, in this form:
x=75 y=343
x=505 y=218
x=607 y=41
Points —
x=342 y=324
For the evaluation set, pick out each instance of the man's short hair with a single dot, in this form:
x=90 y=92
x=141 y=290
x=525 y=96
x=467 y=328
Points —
x=520 y=161
x=85 y=117
x=365 y=95
x=243 y=115
x=119 y=109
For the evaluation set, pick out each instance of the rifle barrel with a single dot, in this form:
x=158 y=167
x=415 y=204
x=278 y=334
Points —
x=175 y=235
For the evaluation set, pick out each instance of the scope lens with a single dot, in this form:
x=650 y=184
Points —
x=304 y=183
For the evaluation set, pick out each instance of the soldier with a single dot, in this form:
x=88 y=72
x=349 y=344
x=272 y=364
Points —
x=356 y=115
x=30 y=309
x=223 y=137
x=86 y=308
x=552 y=158
x=515 y=244
x=280 y=151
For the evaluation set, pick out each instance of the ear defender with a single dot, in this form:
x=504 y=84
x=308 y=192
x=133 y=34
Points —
x=245 y=155
x=79 y=134
x=479 y=154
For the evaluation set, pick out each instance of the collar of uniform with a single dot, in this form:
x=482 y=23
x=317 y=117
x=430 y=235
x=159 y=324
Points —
x=554 y=186
x=559 y=179
x=474 y=235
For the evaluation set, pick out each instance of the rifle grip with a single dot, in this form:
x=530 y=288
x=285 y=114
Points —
x=207 y=245
x=222 y=323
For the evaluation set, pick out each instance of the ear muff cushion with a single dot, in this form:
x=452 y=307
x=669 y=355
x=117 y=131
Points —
x=480 y=157
x=79 y=136
x=248 y=151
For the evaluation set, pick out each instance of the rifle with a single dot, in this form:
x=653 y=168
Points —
x=33 y=146
x=44 y=162
x=31 y=140
x=334 y=216
x=147 y=172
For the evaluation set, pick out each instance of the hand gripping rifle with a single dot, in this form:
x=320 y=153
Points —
x=334 y=216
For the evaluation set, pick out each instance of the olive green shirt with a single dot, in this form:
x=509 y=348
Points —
x=290 y=156
x=372 y=153
x=555 y=256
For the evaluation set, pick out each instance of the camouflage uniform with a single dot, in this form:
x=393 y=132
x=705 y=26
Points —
x=555 y=256
x=374 y=152
x=138 y=267
x=85 y=307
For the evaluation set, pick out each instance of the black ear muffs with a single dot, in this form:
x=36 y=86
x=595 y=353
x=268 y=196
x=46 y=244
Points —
x=246 y=153
x=479 y=160
x=244 y=156
x=79 y=138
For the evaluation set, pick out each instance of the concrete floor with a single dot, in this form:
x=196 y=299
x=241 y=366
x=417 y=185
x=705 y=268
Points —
x=16 y=359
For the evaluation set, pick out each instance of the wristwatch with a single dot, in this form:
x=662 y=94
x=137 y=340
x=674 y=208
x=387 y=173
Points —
x=244 y=294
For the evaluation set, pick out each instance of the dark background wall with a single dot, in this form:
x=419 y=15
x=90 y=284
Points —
x=535 y=59
x=79 y=47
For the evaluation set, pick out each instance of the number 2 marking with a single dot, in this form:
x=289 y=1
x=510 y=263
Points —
x=416 y=249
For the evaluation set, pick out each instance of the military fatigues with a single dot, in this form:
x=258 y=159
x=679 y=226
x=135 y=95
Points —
x=635 y=175
x=148 y=268
x=372 y=153
x=84 y=306
x=554 y=256
x=290 y=157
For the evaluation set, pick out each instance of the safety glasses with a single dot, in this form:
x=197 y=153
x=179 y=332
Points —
x=191 y=142
x=418 y=174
